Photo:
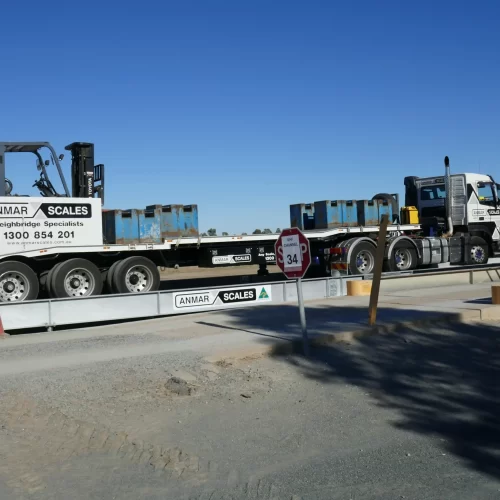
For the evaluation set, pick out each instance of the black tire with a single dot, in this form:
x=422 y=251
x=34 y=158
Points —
x=48 y=281
x=86 y=280
x=479 y=252
x=384 y=196
x=42 y=281
x=145 y=272
x=362 y=260
x=18 y=282
x=402 y=258
x=109 y=277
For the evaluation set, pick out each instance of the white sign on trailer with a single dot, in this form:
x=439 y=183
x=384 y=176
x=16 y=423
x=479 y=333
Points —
x=224 y=297
x=231 y=259
x=38 y=223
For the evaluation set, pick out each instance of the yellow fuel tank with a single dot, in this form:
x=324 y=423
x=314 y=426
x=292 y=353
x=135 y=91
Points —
x=409 y=215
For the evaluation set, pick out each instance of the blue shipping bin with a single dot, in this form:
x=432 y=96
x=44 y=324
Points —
x=128 y=231
x=302 y=215
x=121 y=226
x=176 y=221
x=190 y=227
x=308 y=222
x=350 y=213
x=328 y=214
x=109 y=224
x=150 y=225
x=384 y=208
x=367 y=213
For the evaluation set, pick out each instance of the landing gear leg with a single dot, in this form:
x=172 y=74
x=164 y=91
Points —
x=263 y=270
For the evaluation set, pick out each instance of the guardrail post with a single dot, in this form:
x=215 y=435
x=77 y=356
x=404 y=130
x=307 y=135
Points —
x=49 y=326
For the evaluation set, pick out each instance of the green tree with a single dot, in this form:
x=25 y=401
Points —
x=224 y=233
x=267 y=231
x=212 y=232
x=257 y=231
x=278 y=230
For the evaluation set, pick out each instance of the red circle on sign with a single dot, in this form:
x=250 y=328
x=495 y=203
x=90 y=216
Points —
x=301 y=268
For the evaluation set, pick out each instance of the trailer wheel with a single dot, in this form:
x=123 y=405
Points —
x=109 y=276
x=362 y=260
x=75 y=278
x=136 y=275
x=402 y=258
x=18 y=282
x=48 y=281
x=479 y=253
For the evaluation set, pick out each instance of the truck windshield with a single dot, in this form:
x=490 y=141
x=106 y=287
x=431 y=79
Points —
x=436 y=192
x=486 y=193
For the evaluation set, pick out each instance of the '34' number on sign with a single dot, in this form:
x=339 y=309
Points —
x=292 y=259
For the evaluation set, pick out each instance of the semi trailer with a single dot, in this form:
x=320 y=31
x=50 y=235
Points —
x=64 y=243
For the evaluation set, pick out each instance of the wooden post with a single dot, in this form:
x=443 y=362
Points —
x=377 y=270
x=495 y=294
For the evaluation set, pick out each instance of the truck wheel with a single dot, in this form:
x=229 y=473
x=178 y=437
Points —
x=136 y=275
x=402 y=258
x=479 y=253
x=18 y=282
x=75 y=278
x=362 y=260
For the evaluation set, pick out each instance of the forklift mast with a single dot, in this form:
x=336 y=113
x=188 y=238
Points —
x=87 y=179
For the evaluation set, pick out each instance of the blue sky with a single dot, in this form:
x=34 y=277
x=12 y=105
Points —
x=246 y=107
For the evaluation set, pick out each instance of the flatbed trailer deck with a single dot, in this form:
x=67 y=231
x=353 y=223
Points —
x=70 y=246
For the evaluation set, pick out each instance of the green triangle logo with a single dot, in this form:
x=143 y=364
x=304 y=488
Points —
x=263 y=294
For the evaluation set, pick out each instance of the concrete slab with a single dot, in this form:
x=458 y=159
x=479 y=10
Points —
x=277 y=326
x=437 y=291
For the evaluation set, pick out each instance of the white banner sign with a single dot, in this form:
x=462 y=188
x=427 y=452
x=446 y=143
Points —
x=37 y=223
x=224 y=297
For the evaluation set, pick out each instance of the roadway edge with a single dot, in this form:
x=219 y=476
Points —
x=285 y=347
x=439 y=319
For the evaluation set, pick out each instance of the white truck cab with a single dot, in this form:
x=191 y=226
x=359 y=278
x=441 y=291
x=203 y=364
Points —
x=474 y=207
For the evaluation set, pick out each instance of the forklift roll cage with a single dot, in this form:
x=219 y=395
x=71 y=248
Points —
x=87 y=179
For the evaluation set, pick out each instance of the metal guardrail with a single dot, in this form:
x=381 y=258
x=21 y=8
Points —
x=50 y=313
x=471 y=269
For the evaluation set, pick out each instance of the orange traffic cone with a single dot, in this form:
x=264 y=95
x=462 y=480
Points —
x=3 y=333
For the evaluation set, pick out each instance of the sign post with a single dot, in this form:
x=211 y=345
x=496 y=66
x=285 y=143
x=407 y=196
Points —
x=293 y=257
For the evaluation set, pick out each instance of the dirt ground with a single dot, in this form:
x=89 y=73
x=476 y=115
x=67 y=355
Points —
x=164 y=410
x=112 y=430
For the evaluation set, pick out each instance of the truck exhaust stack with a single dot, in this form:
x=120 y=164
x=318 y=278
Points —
x=448 y=197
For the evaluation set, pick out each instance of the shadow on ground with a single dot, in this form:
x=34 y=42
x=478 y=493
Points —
x=444 y=381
